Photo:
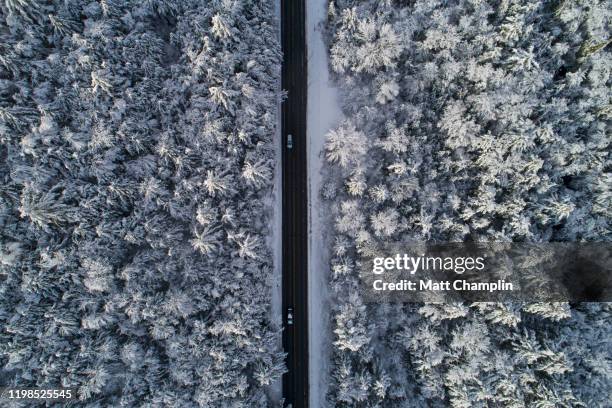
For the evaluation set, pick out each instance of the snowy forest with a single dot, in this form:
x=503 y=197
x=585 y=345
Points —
x=136 y=166
x=468 y=120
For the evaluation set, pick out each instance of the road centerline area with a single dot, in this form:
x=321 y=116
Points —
x=295 y=204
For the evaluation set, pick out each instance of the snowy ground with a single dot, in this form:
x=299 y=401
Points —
x=323 y=114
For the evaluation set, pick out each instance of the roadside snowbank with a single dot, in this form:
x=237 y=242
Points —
x=323 y=114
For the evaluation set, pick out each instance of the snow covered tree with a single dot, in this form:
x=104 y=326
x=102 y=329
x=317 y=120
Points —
x=468 y=121
x=136 y=156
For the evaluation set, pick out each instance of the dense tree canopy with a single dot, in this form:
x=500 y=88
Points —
x=468 y=120
x=135 y=159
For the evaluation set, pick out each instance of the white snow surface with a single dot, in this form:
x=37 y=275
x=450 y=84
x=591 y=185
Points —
x=324 y=113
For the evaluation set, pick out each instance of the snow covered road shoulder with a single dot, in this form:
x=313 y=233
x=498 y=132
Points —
x=323 y=114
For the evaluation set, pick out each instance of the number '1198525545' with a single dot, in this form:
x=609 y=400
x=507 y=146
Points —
x=37 y=393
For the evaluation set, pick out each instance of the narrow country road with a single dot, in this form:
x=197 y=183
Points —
x=295 y=203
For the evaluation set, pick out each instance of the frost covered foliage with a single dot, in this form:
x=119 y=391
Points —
x=135 y=158
x=468 y=120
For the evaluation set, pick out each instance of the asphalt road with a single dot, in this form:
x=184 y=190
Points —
x=295 y=202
